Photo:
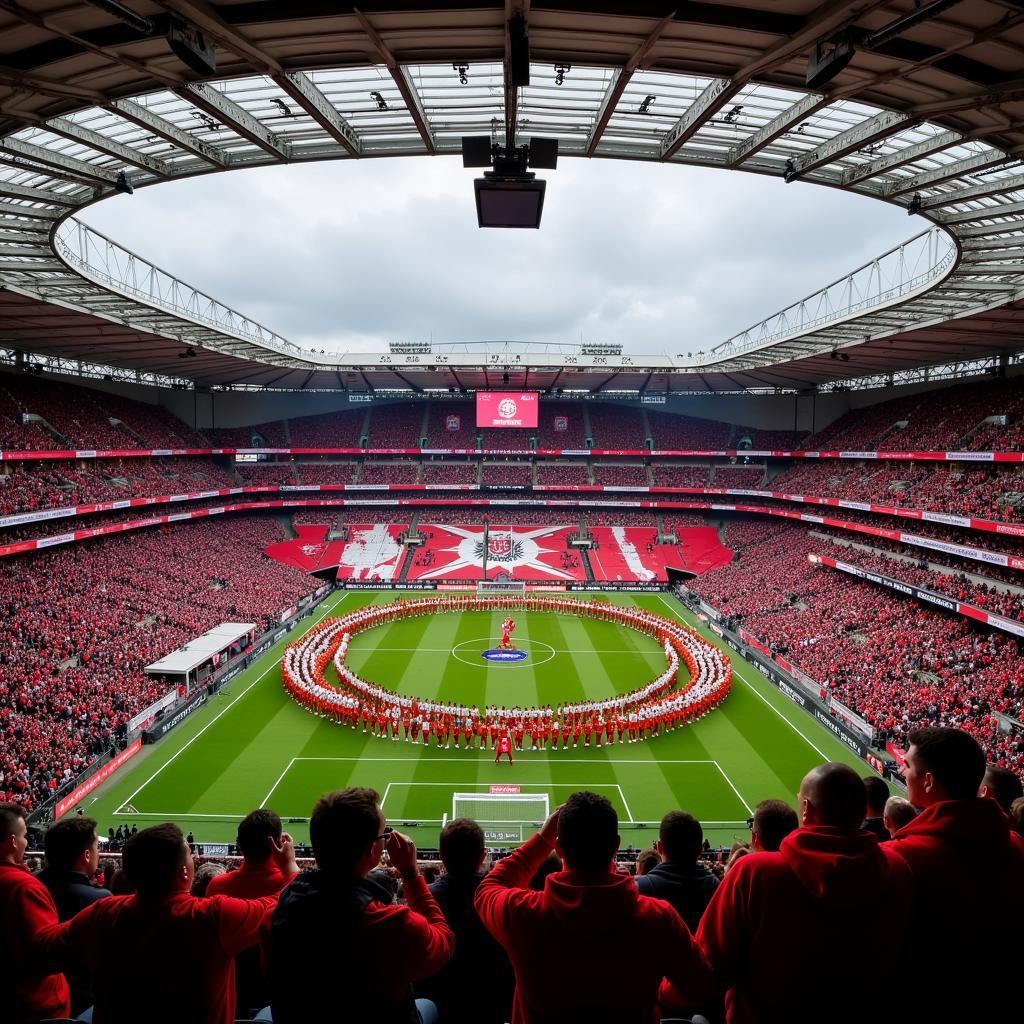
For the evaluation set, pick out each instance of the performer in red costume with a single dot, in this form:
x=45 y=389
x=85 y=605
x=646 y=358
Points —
x=507 y=629
x=504 y=747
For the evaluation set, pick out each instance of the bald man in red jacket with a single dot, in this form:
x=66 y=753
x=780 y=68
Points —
x=790 y=935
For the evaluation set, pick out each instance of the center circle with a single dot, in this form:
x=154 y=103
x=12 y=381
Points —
x=489 y=641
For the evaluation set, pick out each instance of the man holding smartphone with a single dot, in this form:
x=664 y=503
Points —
x=336 y=947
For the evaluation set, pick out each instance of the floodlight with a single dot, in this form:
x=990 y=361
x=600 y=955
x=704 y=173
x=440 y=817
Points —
x=790 y=173
x=915 y=205
x=123 y=185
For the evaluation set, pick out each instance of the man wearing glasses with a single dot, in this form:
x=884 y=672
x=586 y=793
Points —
x=335 y=947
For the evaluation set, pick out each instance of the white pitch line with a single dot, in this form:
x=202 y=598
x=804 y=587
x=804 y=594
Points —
x=622 y=797
x=750 y=810
x=223 y=711
x=384 y=798
x=265 y=800
x=761 y=696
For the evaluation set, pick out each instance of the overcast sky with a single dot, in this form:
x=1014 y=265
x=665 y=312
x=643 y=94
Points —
x=347 y=256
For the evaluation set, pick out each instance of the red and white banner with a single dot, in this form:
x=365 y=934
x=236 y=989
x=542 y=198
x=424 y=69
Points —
x=65 y=805
x=507 y=408
x=146 y=715
x=695 y=453
x=968 y=611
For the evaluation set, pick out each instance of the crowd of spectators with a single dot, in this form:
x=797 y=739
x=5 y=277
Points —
x=615 y=426
x=748 y=478
x=81 y=621
x=396 y=426
x=985 y=492
x=328 y=430
x=899 y=664
x=680 y=474
x=978 y=590
x=271 y=434
x=573 y=474
x=265 y=474
x=620 y=474
x=512 y=474
x=560 y=426
x=82 y=416
x=450 y=472
x=30 y=487
x=522 y=935
x=451 y=425
x=671 y=430
x=326 y=472
x=397 y=471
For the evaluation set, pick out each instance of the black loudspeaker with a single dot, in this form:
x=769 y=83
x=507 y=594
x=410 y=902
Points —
x=191 y=47
x=544 y=153
x=476 y=151
x=518 y=51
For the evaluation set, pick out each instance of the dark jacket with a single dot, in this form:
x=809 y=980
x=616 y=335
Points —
x=72 y=891
x=688 y=887
x=476 y=984
x=877 y=828
x=335 y=943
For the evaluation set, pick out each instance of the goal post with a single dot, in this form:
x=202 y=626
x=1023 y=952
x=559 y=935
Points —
x=502 y=588
x=503 y=810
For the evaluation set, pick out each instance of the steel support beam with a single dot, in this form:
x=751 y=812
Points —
x=995 y=187
x=947 y=172
x=717 y=94
x=58 y=161
x=302 y=90
x=239 y=120
x=619 y=81
x=138 y=114
x=401 y=78
x=32 y=212
x=881 y=126
x=987 y=213
x=780 y=125
x=36 y=195
x=94 y=140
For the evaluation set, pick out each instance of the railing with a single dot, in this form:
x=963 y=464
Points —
x=908 y=268
x=108 y=263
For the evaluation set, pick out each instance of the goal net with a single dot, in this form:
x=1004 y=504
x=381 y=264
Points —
x=500 y=588
x=502 y=816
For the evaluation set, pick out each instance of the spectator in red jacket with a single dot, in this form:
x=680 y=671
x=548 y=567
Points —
x=26 y=906
x=161 y=953
x=589 y=947
x=335 y=946
x=259 y=835
x=819 y=896
x=968 y=872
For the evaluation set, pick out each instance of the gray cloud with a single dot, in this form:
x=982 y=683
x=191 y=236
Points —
x=347 y=256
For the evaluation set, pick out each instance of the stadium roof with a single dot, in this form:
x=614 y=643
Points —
x=200 y=649
x=927 y=113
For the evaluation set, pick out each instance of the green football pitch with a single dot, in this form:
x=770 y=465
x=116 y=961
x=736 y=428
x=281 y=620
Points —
x=252 y=746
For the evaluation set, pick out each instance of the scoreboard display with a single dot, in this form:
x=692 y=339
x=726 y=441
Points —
x=507 y=408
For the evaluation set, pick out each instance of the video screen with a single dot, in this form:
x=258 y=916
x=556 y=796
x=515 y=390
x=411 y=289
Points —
x=507 y=408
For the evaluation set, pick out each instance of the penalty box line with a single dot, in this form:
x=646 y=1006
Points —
x=539 y=786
